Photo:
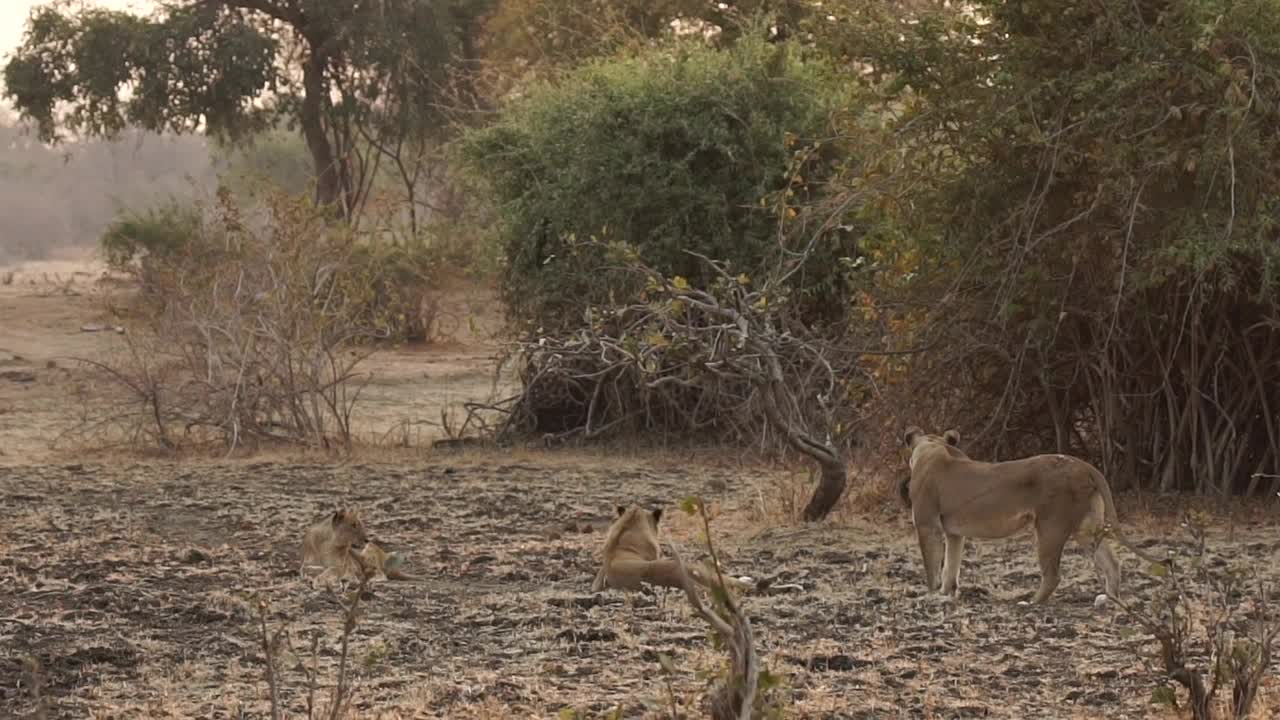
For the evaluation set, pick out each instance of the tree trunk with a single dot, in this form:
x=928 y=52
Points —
x=835 y=473
x=311 y=117
x=831 y=486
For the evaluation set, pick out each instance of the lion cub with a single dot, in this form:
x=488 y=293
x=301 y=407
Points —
x=632 y=556
x=331 y=543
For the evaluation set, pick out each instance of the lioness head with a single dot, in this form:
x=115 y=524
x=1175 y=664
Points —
x=918 y=441
x=635 y=530
x=915 y=435
x=950 y=439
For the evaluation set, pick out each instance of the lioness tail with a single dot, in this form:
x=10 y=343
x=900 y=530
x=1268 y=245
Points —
x=1104 y=489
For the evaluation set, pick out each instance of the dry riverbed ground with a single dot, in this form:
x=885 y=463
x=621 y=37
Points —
x=126 y=586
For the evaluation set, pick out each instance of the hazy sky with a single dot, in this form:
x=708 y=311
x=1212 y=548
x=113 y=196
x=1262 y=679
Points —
x=13 y=17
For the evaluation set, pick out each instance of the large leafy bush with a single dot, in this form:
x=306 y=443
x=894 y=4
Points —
x=670 y=151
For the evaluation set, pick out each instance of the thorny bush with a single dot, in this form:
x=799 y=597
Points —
x=180 y=238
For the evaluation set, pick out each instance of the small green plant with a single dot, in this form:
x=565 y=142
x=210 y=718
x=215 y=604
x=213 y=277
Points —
x=743 y=689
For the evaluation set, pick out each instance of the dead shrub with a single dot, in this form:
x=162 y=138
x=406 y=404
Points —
x=278 y=646
x=1215 y=625
x=254 y=333
x=734 y=363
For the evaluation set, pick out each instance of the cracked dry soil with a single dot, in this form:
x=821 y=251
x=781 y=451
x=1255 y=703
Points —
x=129 y=587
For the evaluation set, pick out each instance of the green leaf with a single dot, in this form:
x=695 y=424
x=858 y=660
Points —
x=1158 y=569
x=690 y=505
x=667 y=666
x=1164 y=695
x=766 y=681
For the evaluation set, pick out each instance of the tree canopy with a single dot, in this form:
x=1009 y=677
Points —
x=339 y=71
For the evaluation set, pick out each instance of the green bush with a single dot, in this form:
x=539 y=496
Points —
x=137 y=237
x=173 y=246
x=390 y=282
x=674 y=150
x=277 y=157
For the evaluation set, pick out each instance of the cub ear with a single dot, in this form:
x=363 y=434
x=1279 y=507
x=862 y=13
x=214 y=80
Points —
x=337 y=516
x=952 y=437
x=910 y=436
x=657 y=515
x=621 y=509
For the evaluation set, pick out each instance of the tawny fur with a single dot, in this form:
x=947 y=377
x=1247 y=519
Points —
x=374 y=560
x=633 y=557
x=330 y=543
x=953 y=497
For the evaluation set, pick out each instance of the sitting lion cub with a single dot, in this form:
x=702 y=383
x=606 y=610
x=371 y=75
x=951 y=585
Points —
x=954 y=497
x=330 y=543
x=632 y=556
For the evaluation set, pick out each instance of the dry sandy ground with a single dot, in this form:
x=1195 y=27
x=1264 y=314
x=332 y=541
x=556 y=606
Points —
x=127 y=583
x=46 y=306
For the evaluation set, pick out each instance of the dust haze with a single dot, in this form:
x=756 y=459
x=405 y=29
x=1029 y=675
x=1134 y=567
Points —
x=53 y=199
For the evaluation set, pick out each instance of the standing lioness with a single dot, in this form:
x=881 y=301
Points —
x=954 y=497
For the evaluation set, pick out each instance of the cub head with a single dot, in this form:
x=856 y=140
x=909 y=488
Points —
x=635 y=529
x=348 y=528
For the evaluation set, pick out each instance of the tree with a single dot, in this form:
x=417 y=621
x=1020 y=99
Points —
x=338 y=71
x=567 y=32
x=1091 y=198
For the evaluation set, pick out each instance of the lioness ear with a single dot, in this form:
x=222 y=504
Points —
x=952 y=437
x=910 y=436
x=337 y=516
x=657 y=515
x=621 y=509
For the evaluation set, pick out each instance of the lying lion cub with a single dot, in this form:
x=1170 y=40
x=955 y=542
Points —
x=632 y=556
x=330 y=542
x=954 y=497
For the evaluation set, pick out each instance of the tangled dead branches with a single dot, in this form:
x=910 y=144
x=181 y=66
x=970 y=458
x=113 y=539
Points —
x=732 y=362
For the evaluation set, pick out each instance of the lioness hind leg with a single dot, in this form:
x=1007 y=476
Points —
x=1050 y=544
x=931 y=550
x=1108 y=568
x=951 y=564
x=600 y=582
x=1104 y=559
